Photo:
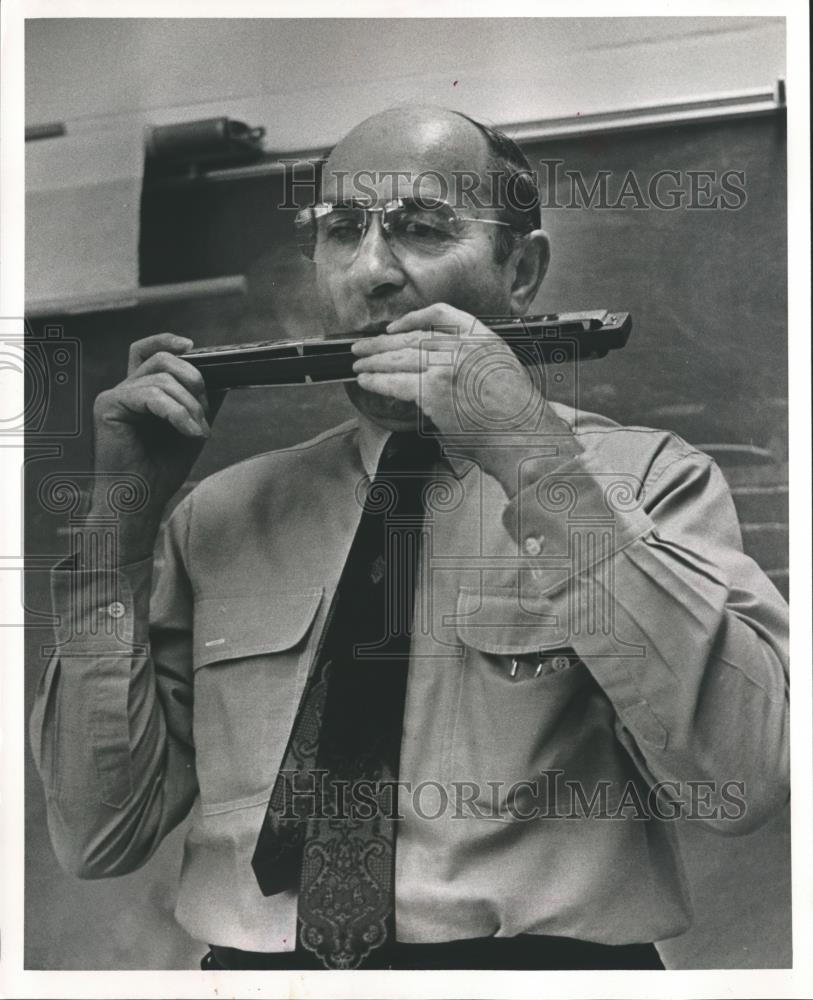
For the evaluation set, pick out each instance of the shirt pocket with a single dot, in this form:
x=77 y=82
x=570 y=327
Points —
x=251 y=657
x=526 y=704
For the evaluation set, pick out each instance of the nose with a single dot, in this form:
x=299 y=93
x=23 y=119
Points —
x=375 y=267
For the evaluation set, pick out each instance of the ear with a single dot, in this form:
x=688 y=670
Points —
x=530 y=261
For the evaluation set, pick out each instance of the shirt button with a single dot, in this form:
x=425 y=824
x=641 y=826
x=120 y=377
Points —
x=560 y=663
x=116 y=609
x=533 y=546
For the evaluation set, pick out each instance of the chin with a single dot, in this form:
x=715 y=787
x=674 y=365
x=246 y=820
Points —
x=391 y=414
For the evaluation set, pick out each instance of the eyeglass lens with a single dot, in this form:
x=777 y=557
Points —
x=424 y=227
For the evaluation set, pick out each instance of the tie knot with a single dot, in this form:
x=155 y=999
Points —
x=410 y=450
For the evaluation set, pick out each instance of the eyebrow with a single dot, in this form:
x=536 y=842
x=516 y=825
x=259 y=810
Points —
x=421 y=201
x=345 y=203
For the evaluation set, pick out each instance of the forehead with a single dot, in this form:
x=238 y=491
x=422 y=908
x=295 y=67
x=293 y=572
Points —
x=392 y=155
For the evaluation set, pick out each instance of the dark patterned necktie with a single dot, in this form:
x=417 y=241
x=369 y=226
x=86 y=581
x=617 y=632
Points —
x=330 y=824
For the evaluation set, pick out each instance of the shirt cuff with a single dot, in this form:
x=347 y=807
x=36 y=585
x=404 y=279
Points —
x=104 y=611
x=572 y=519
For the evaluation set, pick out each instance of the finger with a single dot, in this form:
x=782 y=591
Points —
x=406 y=360
x=398 y=386
x=429 y=340
x=143 y=389
x=153 y=399
x=182 y=371
x=147 y=346
x=438 y=314
x=386 y=342
x=182 y=395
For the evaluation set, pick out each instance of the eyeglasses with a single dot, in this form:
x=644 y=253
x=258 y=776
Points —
x=420 y=226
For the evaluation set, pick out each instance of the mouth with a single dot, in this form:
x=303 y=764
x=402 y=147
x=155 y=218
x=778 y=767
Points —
x=372 y=329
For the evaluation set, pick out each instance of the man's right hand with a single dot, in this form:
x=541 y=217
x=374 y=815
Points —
x=153 y=424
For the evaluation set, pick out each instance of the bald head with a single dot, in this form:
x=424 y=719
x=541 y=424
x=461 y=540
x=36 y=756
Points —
x=408 y=141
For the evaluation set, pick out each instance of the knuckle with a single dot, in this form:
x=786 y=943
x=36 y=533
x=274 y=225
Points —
x=143 y=347
x=195 y=376
x=164 y=360
x=102 y=401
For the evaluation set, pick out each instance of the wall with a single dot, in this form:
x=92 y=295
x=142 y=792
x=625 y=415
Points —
x=309 y=81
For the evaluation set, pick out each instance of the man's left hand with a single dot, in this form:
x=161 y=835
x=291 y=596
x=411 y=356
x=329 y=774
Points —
x=464 y=378
x=460 y=373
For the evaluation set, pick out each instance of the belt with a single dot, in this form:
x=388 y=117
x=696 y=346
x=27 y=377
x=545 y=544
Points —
x=526 y=951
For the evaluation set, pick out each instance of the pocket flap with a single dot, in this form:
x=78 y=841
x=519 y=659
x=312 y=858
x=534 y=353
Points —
x=507 y=621
x=228 y=628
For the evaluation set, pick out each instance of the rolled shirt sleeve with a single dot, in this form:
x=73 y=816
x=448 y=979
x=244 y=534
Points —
x=683 y=632
x=111 y=728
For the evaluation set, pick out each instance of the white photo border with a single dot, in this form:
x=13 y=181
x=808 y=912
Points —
x=15 y=981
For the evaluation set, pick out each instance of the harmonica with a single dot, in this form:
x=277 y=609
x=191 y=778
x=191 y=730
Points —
x=553 y=338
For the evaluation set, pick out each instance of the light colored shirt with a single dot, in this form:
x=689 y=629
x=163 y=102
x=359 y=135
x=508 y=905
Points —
x=598 y=633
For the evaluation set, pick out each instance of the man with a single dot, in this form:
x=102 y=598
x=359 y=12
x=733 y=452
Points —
x=587 y=646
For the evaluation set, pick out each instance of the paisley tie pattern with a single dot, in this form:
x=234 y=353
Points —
x=331 y=820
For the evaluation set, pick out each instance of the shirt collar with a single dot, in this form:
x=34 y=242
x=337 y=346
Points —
x=373 y=437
